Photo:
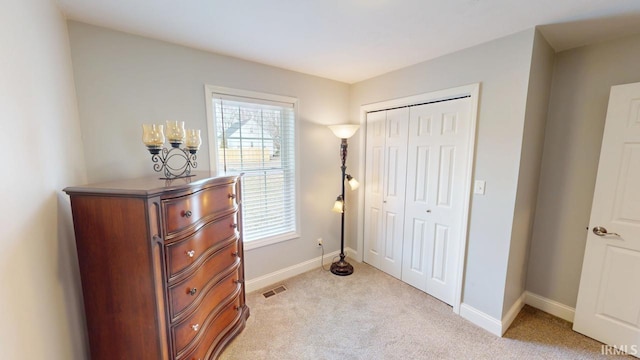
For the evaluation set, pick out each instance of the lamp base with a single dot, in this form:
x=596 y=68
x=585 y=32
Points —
x=341 y=268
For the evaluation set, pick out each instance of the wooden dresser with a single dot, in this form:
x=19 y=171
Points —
x=162 y=266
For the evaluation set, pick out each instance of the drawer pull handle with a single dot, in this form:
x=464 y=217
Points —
x=195 y=327
x=232 y=196
x=235 y=254
x=190 y=253
x=237 y=308
x=193 y=291
x=239 y=281
x=234 y=226
x=187 y=213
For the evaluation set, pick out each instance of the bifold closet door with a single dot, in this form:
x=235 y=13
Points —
x=436 y=172
x=386 y=170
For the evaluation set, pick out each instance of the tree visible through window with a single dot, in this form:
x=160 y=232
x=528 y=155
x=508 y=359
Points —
x=256 y=137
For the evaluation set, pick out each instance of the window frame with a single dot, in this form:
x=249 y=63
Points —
x=212 y=92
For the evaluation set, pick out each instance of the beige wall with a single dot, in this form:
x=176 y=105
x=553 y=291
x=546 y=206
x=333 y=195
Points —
x=577 y=109
x=502 y=67
x=530 y=162
x=125 y=80
x=40 y=305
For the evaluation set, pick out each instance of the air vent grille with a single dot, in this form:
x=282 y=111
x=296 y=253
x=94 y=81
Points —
x=274 y=291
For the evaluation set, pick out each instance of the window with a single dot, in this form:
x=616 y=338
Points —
x=254 y=134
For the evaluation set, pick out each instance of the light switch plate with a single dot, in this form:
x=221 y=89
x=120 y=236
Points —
x=478 y=187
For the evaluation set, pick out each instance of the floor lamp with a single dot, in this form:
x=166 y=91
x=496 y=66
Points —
x=341 y=267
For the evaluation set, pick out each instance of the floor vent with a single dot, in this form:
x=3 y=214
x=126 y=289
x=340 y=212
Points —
x=275 y=291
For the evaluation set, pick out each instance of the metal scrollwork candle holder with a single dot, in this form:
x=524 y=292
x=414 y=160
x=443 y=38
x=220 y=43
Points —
x=174 y=162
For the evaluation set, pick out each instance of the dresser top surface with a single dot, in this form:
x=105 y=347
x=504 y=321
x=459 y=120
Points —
x=152 y=185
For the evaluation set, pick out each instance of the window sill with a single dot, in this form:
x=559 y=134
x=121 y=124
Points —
x=255 y=244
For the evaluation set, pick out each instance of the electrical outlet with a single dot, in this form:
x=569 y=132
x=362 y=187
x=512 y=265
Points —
x=319 y=242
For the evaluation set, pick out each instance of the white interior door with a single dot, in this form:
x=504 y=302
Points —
x=435 y=197
x=608 y=307
x=395 y=177
x=386 y=169
x=374 y=185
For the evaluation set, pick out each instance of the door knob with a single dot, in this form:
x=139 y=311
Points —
x=602 y=231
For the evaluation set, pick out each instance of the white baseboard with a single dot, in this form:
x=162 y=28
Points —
x=513 y=312
x=283 y=274
x=550 y=306
x=489 y=323
x=352 y=254
x=498 y=328
x=481 y=319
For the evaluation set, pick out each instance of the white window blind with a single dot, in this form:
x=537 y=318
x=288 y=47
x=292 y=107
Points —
x=256 y=137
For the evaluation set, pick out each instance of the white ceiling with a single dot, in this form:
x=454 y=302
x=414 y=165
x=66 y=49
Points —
x=352 y=40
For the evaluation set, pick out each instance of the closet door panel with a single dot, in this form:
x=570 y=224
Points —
x=420 y=196
x=374 y=187
x=435 y=195
x=395 y=176
x=445 y=175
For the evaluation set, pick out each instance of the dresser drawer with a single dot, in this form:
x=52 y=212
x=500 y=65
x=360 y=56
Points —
x=214 y=333
x=194 y=288
x=207 y=315
x=184 y=211
x=189 y=252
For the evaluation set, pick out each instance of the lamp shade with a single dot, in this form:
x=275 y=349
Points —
x=353 y=183
x=344 y=131
x=338 y=206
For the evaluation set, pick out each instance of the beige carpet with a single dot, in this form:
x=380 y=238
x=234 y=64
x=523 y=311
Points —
x=370 y=315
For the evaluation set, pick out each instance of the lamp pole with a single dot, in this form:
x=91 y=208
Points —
x=341 y=267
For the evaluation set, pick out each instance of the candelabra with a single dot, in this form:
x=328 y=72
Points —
x=174 y=162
